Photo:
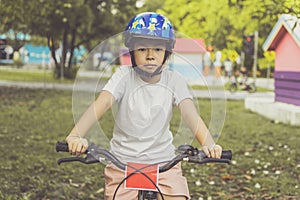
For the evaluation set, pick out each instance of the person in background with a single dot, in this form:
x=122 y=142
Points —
x=207 y=61
x=218 y=64
x=228 y=66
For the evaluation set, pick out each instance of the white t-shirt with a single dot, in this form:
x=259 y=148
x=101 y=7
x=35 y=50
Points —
x=142 y=132
x=218 y=57
x=206 y=59
x=228 y=65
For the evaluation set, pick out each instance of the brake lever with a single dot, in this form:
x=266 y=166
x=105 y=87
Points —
x=71 y=159
x=89 y=159
x=188 y=150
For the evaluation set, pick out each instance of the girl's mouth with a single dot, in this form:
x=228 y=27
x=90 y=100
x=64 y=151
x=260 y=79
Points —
x=149 y=65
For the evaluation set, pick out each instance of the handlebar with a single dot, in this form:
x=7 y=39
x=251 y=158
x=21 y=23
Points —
x=95 y=154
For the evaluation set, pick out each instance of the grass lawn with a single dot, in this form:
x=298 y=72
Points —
x=265 y=165
x=226 y=87
x=30 y=76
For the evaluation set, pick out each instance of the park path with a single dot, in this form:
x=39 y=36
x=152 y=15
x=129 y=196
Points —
x=89 y=85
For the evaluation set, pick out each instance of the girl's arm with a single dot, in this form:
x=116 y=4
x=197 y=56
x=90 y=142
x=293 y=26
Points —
x=195 y=123
x=95 y=111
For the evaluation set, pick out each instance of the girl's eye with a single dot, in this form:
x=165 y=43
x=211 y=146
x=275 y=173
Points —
x=141 y=49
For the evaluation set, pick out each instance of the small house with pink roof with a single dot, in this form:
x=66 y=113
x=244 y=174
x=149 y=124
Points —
x=187 y=57
x=284 y=39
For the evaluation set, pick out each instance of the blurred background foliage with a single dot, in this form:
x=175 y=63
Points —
x=223 y=23
x=71 y=23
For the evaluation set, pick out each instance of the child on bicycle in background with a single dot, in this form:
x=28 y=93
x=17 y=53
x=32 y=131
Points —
x=145 y=93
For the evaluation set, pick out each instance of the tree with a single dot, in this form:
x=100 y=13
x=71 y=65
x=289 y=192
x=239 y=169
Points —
x=12 y=20
x=224 y=23
x=67 y=24
x=150 y=5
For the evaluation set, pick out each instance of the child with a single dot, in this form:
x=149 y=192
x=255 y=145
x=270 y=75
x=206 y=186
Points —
x=145 y=94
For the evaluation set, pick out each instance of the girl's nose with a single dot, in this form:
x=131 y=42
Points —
x=149 y=55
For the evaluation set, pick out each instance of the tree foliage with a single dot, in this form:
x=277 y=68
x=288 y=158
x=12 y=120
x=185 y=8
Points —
x=66 y=24
x=70 y=23
x=223 y=23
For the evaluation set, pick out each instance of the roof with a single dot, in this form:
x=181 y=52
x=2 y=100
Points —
x=286 y=23
x=189 y=45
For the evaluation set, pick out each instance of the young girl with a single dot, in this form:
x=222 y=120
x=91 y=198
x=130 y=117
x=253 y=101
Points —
x=145 y=94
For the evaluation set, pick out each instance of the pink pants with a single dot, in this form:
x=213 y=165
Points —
x=171 y=183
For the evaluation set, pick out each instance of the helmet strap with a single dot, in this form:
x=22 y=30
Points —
x=147 y=74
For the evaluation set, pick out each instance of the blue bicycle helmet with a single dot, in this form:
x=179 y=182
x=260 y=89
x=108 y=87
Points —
x=150 y=25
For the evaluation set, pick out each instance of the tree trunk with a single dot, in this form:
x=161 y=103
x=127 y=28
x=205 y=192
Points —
x=51 y=46
x=72 y=48
x=63 y=53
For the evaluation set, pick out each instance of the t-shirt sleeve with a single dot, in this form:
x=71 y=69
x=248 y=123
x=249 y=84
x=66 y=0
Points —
x=181 y=90
x=116 y=83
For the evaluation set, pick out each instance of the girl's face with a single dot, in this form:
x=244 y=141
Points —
x=149 y=54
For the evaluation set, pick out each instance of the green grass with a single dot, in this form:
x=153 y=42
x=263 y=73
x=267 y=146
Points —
x=30 y=76
x=225 y=87
x=265 y=165
x=258 y=89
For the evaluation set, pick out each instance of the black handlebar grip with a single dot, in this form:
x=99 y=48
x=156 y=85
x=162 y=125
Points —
x=62 y=146
x=226 y=154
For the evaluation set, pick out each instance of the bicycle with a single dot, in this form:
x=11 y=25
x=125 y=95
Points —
x=236 y=85
x=96 y=154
